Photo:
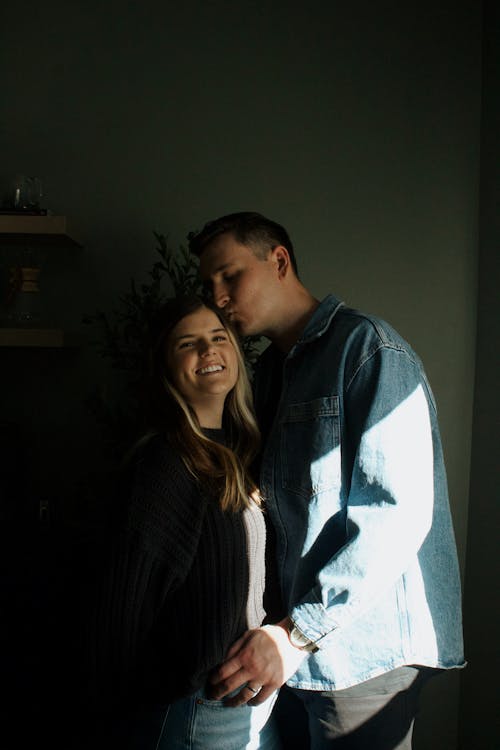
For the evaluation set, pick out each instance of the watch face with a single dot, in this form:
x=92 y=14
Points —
x=297 y=638
x=301 y=641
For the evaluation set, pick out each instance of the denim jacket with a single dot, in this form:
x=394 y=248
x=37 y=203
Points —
x=355 y=485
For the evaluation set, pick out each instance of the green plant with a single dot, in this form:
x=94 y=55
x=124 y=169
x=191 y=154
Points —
x=124 y=331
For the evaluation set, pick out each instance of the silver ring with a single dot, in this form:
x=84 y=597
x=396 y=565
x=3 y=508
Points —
x=254 y=690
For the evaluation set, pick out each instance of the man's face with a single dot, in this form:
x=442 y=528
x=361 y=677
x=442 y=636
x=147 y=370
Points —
x=243 y=285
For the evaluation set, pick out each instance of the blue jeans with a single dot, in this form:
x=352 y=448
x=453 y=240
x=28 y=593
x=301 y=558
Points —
x=198 y=723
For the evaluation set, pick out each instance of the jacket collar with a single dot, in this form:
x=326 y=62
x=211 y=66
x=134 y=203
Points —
x=316 y=326
x=320 y=320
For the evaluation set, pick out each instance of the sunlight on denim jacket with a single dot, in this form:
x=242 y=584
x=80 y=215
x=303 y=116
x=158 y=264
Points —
x=355 y=485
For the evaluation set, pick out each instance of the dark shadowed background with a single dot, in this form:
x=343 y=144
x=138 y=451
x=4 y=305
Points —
x=370 y=130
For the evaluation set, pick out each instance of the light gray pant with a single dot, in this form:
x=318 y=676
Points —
x=377 y=714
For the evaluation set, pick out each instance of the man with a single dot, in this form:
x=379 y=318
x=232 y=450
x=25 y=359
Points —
x=354 y=481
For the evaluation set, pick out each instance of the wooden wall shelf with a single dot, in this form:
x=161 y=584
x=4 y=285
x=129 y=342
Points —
x=42 y=230
x=48 y=338
x=34 y=231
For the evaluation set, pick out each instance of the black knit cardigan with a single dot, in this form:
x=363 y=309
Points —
x=169 y=588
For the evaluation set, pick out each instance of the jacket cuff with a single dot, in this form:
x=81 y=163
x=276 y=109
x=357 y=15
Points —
x=313 y=621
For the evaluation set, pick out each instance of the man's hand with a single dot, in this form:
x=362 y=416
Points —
x=264 y=658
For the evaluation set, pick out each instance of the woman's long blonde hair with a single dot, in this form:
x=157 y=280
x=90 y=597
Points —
x=225 y=469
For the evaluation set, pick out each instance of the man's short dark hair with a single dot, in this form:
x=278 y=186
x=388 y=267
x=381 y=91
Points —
x=248 y=228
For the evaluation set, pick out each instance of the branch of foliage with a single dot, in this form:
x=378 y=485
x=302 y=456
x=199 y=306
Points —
x=123 y=331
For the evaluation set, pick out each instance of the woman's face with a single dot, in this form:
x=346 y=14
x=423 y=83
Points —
x=201 y=360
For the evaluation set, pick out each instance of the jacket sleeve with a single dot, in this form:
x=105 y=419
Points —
x=146 y=559
x=388 y=487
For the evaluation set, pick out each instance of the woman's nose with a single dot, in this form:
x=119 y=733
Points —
x=205 y=348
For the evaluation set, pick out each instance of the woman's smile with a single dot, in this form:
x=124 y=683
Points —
x=210 y=369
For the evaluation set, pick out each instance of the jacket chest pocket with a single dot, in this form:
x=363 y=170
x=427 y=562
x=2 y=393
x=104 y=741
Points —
x=310 y=446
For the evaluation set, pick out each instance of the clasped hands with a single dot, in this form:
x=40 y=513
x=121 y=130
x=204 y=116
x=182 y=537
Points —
x=260 y=662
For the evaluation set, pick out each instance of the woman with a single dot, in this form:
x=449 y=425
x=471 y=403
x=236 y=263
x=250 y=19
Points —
x=184 y=573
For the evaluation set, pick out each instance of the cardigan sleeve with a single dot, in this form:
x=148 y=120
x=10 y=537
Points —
x=147 y=558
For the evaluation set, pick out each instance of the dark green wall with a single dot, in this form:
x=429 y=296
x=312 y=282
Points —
x=357 y=126
x=479 y=726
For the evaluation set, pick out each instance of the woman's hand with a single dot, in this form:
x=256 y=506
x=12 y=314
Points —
x=263 y=657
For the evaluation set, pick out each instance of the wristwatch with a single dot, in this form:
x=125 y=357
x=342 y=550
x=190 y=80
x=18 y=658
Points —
x=298 y=639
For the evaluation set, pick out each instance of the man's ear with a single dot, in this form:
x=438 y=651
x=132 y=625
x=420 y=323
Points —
x=282 y=259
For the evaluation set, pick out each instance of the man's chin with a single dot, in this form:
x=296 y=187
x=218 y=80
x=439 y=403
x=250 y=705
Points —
x=238 y=326
x=242 y=329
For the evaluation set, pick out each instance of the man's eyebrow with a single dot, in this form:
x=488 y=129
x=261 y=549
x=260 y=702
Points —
x=207 y=282
x=220 y=268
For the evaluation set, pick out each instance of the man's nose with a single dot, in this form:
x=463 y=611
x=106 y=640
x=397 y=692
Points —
x=221 y=297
